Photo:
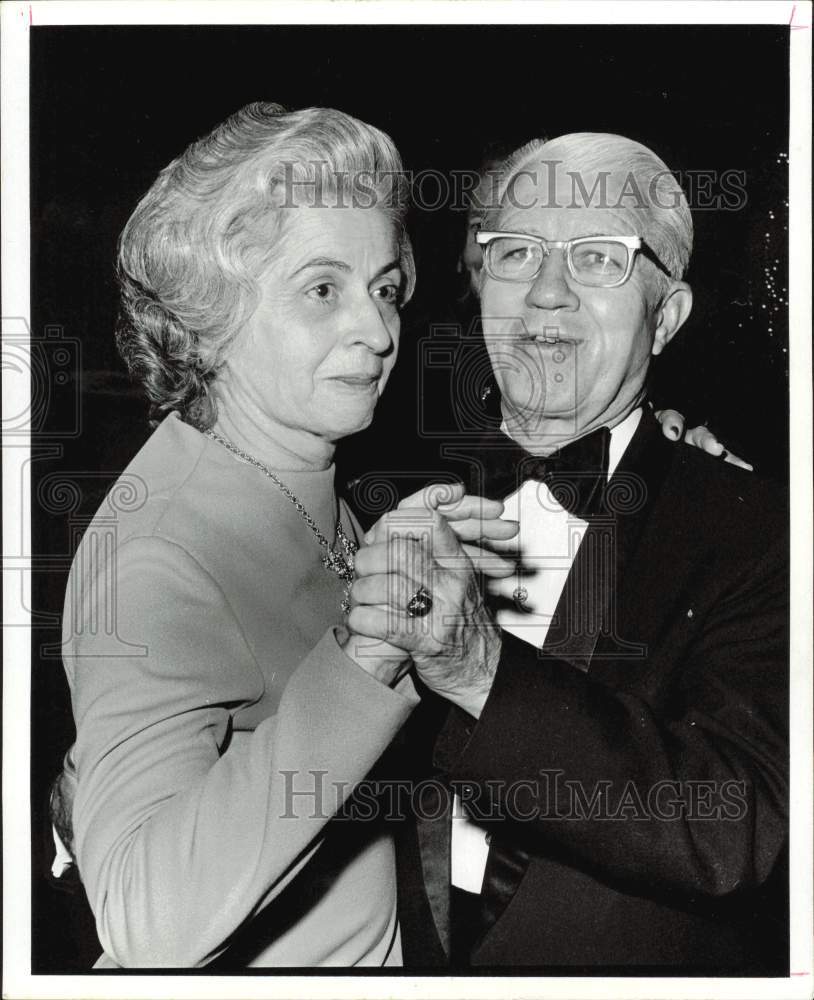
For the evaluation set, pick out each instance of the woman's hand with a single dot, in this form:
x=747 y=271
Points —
x=672 y=427
x=383 y=661
x=455 y=645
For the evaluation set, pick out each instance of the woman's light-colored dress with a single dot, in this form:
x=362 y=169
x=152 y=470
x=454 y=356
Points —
x=219 y=724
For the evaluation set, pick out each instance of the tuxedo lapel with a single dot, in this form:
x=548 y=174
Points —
x=434 y=818
x=585 y=620
x=584 y=623
x=629 y=500
x=434 y=829
x=506 y=865
x=584 y=601
x=635 y=485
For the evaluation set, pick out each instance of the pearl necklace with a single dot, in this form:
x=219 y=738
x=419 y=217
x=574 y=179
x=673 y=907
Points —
x=340 y=563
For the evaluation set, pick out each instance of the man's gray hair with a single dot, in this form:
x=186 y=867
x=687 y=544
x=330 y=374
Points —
x=668 y=227
x=191 y=254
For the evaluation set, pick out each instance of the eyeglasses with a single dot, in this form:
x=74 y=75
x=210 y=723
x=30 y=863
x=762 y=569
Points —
x=597 y=261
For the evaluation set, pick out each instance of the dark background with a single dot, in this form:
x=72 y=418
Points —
x=111 y=106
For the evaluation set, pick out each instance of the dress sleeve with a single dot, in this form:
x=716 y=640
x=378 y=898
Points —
x=180 y=837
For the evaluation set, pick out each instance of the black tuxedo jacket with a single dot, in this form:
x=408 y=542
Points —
x=635 y=770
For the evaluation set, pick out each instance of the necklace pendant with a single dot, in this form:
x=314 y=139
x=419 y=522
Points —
x=334 y=562
x=338 y=564
x=350 y=547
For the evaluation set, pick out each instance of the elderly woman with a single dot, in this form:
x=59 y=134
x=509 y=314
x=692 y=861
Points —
x=262 y=277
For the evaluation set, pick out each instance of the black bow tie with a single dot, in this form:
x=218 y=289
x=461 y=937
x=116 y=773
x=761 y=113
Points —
x=576 y=474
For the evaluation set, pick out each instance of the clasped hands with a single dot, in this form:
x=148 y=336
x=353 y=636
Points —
x=436 y=539
x=439 y=539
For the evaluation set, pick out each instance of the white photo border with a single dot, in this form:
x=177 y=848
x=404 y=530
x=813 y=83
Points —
x=17 y=20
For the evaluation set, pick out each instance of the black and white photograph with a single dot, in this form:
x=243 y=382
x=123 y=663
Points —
x=407 y=499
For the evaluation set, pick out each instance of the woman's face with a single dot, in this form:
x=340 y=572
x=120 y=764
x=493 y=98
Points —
x=319 y=349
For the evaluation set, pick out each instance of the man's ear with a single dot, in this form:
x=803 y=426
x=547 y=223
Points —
x=671 y=314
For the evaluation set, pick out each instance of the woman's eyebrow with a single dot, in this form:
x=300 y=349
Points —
x=339 y=265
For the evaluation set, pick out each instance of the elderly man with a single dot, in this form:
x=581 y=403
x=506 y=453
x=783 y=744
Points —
x=617 y=742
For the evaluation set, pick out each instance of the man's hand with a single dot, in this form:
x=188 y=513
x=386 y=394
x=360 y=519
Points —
x=672 y=427
x=475 y=520
x=456 y=646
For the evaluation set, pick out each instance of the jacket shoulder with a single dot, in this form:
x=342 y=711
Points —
x=739 y=510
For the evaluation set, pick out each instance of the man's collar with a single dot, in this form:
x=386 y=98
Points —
x=620 y=437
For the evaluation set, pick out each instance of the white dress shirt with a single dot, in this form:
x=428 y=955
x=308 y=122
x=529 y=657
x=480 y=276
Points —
x=548 y=542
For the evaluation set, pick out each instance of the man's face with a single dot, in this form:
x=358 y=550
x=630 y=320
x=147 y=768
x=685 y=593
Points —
x=567 y=357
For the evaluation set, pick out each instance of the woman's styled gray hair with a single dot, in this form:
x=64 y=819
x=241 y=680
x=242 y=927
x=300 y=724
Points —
x=669 y=223
x=192 y=252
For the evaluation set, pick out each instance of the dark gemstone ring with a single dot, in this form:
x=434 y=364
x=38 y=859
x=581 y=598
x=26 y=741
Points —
x=420 y=604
